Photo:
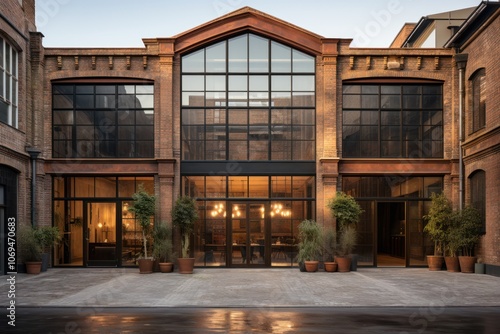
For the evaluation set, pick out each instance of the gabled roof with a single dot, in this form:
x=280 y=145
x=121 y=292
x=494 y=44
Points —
x=474 y=22
x=428 y=23
x=252 y=20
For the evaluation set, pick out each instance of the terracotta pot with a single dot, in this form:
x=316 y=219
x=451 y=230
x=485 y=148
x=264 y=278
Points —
x=331 y=266
x=467 y=263
x=452 y=264
x=166 y=267
x=343 y=263
x=434 y=262
x=311 y=266
x=33 y=268
x=186 y=265
x=146 y=266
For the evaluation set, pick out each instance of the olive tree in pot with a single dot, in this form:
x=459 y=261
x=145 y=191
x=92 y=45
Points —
x=468 y=234
x=162 y=246
x=309 y=246
x=184 y=215
x=438 y=221
x=144 y=207
x=347 y=212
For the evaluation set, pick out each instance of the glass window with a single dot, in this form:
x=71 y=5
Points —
x=478 y=194
x=216 y=58
x=247 y=93
x=8 y=84
x=97 y=126
x=280 y=58
x=258 y=54
x=302 y=63
x=478 y=100
x=194 y=62
x=392 y=121
x=238 y=54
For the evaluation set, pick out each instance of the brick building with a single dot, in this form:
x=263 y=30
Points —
x=475 y=42
x=261 y=121
x=20 y=57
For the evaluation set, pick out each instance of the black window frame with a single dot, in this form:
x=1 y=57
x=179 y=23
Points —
x=392 y=120
x=241 y=138
x=113 y=124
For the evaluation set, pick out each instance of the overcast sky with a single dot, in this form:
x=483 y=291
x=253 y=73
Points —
x=123 y=23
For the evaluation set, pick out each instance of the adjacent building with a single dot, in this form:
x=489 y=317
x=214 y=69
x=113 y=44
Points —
x=262 y=122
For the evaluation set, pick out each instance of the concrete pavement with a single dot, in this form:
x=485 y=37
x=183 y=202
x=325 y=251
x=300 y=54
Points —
x=367 y=287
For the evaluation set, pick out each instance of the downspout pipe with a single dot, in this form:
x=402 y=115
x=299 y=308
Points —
x=33 y=152
x=461 y=61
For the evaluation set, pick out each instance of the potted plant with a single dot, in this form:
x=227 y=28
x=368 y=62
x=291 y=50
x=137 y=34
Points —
x=48 y=237
x=310 y=245
x=438 y=220
x=144 y=206
x=30 y=249
x=329 y=238
x=468 y=234
x=184 y=215
x=162 y=246
x=347 y=212
x=451 y=246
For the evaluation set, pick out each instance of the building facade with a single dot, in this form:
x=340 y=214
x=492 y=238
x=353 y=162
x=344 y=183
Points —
x=20 y=56
x=262 y=122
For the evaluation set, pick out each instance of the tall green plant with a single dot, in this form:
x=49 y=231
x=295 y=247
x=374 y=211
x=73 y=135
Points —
x=144 y=207
x=347 y=212
x=329 y=237
x=29 y=246
x=47 y=236
x=162 y=242
x=310 y=244
x=345 y=209
x=184 y=215
x=469 y=229
x=438 y=221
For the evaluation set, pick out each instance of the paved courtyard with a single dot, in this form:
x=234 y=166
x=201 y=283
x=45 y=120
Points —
x=367 y=287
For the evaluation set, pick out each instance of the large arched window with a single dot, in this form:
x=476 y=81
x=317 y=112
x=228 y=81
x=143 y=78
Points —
x=478 y=193
x=248 y=98
x=478 y=84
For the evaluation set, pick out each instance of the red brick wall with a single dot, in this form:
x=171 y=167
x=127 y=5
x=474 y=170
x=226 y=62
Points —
x=482 y=148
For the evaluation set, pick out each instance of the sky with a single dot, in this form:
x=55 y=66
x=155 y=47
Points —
x=124 y=23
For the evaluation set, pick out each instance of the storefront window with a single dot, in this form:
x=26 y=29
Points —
x=391 y=226
x=243 y=226
x=97 y=227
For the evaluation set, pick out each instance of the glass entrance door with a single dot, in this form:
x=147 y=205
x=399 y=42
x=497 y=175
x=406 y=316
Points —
x=248 y=235
x=100 y=238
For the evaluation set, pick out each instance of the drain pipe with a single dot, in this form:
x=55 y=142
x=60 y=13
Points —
x=33 y=152
x=461 y=60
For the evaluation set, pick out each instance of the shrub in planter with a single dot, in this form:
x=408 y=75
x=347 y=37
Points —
x=162 y=246
x=329 y=248
x=438 y=220
x=468 y=232
x=310 y=244
x=30 y=249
